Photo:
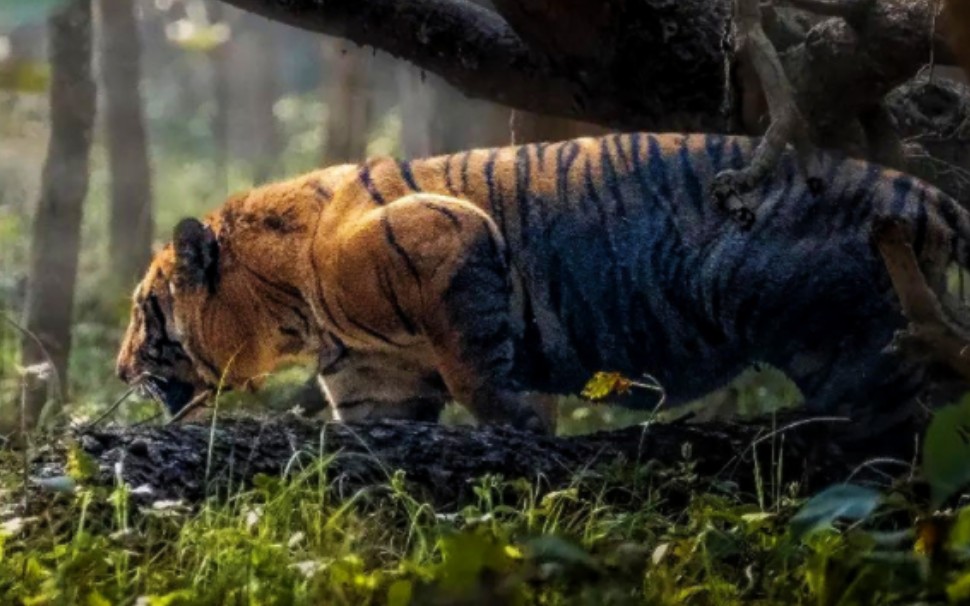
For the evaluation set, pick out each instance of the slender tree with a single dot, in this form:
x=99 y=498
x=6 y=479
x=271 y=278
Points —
x=64 y=183
x=130 y=224
x=219 y=59
x=420 y=126
x=348 y=102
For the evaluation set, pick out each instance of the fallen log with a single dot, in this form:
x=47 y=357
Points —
x=441 y=464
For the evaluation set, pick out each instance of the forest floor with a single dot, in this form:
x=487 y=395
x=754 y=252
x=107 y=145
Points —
x=306 y=539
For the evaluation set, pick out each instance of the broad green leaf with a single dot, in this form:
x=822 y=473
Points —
x=839 y=502
x=946 y=451
x=959 y=538
x=959 y=590
x=399 y=593
x=555 y=549
x=465 y=556
x=14 y=13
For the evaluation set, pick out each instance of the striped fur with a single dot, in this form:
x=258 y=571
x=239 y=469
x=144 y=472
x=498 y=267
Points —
x=493 y=276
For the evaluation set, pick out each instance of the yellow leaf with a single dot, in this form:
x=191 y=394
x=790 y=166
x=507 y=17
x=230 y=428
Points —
x=80 y=465
x=605 y=384
x=932 y=534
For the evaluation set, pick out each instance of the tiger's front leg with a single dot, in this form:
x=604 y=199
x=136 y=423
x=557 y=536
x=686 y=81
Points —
x=360 y=385
x=443 y=277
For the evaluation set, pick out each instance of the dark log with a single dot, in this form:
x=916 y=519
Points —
x=442 y=463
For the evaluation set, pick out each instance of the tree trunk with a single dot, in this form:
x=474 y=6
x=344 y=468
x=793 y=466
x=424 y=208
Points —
x=346 y=71
x=219 y=69
x=57 y=223
x=131 y=223
x=420 y=117
x=265 y=75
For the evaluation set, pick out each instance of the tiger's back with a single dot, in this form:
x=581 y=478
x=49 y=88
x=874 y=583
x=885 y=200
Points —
x=620 y=261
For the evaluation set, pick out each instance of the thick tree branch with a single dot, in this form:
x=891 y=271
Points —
x=667 y=73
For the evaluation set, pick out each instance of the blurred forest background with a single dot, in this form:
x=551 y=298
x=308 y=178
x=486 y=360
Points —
x=194 y=100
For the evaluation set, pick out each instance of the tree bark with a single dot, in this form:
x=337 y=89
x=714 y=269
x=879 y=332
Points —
x=442 y=463
x=55 y=239
x=658 y=64
x=131 y=223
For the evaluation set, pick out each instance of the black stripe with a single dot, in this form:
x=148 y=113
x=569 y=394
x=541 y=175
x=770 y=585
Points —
x=466 y=157
x=447 y=212
x=387 y=288
x=323 y=193
x=902 y=186
x=714 y=146
x=366 y=329
x=657 y=173
x=392 y=240
x=695 y=193
x=541 y=154
x=522 y=185
x=948 y=213
x=565 y=156
x=338 y=355
x=609 y=176
x=156 y=309
x=407 y=174
x=494 y=196
x=449 y=183
x=921 y=221
x=365 y=178
x=618 y=144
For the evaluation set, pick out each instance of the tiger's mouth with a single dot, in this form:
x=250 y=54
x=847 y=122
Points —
x=173 y=393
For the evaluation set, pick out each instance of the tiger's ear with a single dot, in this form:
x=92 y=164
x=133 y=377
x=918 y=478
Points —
x=196 y=255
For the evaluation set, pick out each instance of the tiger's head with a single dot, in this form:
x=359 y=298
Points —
x=198 y=322
x=213 y=310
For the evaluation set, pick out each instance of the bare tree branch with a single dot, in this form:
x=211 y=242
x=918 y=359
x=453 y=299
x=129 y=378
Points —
x=930 y=333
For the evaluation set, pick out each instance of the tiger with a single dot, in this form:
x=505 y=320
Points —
x=500 y=278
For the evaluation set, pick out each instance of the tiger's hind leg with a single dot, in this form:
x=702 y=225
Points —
x=878 y=392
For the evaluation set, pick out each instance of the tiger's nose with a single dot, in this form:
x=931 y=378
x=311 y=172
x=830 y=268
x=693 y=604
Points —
x=123 y=372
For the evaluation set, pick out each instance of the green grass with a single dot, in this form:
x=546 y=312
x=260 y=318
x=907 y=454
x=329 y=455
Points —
x=294 y=542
